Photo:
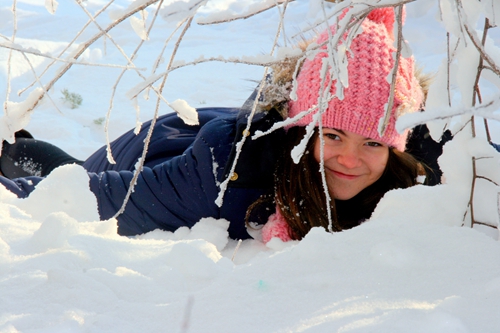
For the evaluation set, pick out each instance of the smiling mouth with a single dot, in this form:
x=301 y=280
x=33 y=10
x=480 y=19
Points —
x=343 y=175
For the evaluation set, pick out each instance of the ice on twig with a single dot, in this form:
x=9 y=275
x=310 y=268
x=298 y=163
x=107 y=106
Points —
x=139 y=25
x=186 y=112
x=51 y=6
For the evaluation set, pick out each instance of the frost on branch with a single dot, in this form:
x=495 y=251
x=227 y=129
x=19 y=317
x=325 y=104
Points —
x=178 y=11
x=185 y=111
x=139 y=25
x=456 y=103
x=229 y=15
x=472 y=56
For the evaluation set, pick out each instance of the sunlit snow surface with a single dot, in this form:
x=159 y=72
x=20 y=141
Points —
x=411 y=268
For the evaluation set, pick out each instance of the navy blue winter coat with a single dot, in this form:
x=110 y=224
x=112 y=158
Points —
x=185 y=165
x=183 y=168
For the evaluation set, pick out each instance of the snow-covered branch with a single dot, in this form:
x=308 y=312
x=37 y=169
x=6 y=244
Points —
x=89 y=42
x=71 y=61
x=399 y=38
x=228 y=16
x=489 y=110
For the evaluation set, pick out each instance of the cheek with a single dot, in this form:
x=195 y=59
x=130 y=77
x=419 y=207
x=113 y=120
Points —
x=378 y=164
x=329 y=151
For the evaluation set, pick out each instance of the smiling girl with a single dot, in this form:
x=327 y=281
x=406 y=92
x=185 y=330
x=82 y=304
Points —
x=346 y=169
x=359 y=165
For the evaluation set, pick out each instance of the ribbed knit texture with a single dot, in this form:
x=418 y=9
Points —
x=365 y=99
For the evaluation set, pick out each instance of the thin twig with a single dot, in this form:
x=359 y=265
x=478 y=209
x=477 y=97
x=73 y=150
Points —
x=239 y=145
x=476 y=93
x=487 y=179
x=487 y=26
x=134 y=92
x=487 y=129
x=236 y=250
x=187 y=314
x=485 y=110
x=152 y=125
x=245 y=16
x=9 y=60
x=475 y=40
x=40 y=83
x=85 y=46
x=355 y=12
x=390 y=102
x=115 y=86
x=471 y=197
x=105 y=33
x=448 y=65
x=22 y=50
x=486 y=224
x=66 y=48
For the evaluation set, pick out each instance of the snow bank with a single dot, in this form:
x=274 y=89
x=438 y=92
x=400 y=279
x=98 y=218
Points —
x=405 y=270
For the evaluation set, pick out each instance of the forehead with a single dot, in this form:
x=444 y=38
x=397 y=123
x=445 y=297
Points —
x=347 y=134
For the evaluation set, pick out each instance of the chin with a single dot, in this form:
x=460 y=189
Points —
x=343 y=196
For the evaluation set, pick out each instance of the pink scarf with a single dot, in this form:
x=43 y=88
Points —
x=276 y=226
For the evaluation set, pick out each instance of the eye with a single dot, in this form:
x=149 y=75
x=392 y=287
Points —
x=332 y=136
x=373 y=144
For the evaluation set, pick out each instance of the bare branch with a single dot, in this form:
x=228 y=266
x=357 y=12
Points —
x=390 y=102
x=486 y=178
x=135 y=91
x=244 y=16
x=83 y=47
x=448 y=64
x=72 y=61
x=113 y=90
x=485 y=110
x=486 y=224
x=356 y=12
x=236 y=250
x=9 y=60
x=151 y=127
x=40 y=83
x=477 y=43
x=72 y=42
x=471 y=197
x=105 y=33
x=239 y=145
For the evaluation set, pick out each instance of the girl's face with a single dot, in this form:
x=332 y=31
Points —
x=352 y=162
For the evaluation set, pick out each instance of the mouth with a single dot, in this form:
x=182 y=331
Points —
x=343 y=175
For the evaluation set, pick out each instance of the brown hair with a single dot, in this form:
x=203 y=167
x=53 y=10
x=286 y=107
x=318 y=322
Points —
x=300 y=195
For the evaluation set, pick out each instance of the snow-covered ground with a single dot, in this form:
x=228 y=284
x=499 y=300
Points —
x=411 y=268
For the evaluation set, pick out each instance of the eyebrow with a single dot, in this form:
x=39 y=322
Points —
x=343 y=133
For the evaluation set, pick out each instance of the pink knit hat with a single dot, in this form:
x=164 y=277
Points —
x=369 y=67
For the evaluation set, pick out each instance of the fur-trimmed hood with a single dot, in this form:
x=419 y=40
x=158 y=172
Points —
x=278 y=85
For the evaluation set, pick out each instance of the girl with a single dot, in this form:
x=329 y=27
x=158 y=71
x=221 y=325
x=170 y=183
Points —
x=186 y=165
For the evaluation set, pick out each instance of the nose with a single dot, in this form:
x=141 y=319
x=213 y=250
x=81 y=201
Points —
x=349 y=157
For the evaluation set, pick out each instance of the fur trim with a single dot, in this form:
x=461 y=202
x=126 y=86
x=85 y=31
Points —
x=276 y=92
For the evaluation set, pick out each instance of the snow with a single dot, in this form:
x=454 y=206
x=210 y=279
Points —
x=411 y=268
x=186 y=112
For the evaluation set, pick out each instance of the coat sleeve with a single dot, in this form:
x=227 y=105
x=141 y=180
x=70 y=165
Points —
x=176 y=193
x=21 y=187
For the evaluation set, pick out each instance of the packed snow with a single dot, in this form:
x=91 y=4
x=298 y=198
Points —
x=412 y=267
